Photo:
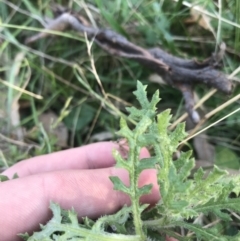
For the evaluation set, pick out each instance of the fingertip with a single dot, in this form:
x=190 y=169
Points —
x=92 y=156
x=96 y=155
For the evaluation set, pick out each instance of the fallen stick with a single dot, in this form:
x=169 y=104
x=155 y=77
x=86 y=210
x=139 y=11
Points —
x=180 y=73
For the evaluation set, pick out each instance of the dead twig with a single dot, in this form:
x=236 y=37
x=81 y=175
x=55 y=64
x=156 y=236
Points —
x=180 y=73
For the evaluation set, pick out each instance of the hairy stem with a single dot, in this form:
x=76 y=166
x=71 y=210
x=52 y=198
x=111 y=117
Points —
x=134 y=156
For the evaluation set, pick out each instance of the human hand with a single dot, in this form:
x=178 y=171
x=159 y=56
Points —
x=77 y=178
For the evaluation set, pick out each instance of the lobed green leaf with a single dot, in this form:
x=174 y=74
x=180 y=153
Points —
x=119 y=185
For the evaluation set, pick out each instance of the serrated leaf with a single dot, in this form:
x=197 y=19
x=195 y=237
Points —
x=185 y=170
x=146 y=163
x=198 y=176
x=163 y=122
x=124 y=131
x=143 y=207
x=230 y=203
x=223 y=216
x=143 y=125
x=141 y=95
x=182 y=159
x=72 y=231
x=24 y=236
x=203 y=233
x=189 y=213
x=178 y=205
x=73 y=218
x=148 y=139
x=144 y=190
x=88 y=223
x=135 y=113
x=236 y=183
x=56 y=212
x=154 y=101
x=121 y=162
x=119 y=185
x=177 y=135
x=215 y=175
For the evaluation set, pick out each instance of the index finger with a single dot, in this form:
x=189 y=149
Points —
x=92 y=156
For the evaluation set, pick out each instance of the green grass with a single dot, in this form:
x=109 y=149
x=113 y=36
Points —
x=56 y=69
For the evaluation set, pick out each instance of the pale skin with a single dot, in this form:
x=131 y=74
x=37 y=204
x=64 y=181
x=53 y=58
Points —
x=77 y=178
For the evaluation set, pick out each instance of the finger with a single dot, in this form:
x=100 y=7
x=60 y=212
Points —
x=97 y=155
x=89 y=192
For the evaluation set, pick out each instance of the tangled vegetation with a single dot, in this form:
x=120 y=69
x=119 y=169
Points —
x=64 y=91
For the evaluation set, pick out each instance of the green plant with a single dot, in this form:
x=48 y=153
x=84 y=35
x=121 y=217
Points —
x=183 y=199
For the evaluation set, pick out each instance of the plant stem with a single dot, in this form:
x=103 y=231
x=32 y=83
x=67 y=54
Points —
x=136 y=209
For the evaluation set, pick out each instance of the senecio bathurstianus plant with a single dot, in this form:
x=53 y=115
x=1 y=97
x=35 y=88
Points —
x=183 y=199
